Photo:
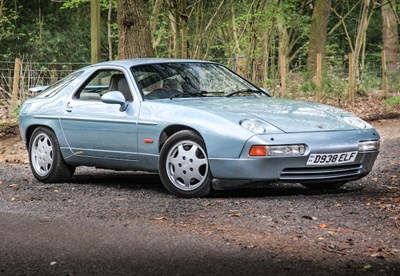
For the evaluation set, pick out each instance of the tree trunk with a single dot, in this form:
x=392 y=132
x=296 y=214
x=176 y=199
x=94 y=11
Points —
x=367 y=10
x=134 y=29
x=184 y=18
x=1 y=8
x=199 y=42
x=390 y=35
x=110 y=51
x=283 y=48
x=317 y=40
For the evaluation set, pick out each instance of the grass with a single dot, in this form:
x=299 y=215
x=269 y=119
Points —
x=393 y=102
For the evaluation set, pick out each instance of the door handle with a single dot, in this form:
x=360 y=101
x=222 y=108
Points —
x=68 y=108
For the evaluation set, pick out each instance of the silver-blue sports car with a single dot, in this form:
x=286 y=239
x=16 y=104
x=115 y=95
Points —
x=197 y=124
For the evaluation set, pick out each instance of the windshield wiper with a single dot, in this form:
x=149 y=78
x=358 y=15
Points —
x=205 y=93
x=249 y=91
x=187 y=95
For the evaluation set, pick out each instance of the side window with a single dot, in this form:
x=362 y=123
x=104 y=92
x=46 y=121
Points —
x=101 y=82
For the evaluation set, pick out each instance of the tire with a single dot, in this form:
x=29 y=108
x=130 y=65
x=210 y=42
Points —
x=45 y=159
x=183 y=165
x=324 y=185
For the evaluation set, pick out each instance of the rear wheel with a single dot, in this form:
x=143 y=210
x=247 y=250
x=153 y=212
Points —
x=183 y=165
x=324 y=185
x=46 y=161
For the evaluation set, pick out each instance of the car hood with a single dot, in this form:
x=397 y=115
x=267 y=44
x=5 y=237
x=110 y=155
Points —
x=287 y=115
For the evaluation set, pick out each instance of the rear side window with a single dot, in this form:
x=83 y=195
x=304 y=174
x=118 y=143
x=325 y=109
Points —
x=56 y=87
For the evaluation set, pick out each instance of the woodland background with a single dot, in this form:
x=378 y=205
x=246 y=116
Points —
x=341 y=52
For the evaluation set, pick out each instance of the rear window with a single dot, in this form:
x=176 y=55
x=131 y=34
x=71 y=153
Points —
x=56 y=87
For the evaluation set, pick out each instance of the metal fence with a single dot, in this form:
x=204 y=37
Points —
x=298 y=84
x=29 y=74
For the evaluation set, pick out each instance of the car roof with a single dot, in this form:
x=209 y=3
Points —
x=141 y=61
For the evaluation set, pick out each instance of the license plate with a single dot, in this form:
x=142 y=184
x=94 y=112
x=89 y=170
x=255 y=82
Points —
x=332 y=158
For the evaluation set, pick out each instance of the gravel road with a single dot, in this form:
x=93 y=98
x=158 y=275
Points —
x=117 y=223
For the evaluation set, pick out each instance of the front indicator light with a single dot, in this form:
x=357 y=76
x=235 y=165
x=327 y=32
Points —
x=369 y=145
x=258 y=151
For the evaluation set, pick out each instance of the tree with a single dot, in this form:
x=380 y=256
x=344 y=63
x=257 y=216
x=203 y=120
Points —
x=134 y=29
x=390 y=35
x=318 y=32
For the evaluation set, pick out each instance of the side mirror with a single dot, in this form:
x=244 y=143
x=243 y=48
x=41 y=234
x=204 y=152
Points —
x=37 y=89
x=115 y=97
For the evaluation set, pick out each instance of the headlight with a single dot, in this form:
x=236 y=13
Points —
x=356 y=122
x=287 y=150
x=281 y=150
x=369 y=145
x=257 y=126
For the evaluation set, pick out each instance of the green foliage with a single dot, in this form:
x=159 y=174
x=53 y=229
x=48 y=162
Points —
x=55 y=31
x=371 y=80
x=333 y=85
x=308 y=86
x=76 y=4
x=7 y=23
x=15 y=109
x=47 y=31
x=393 y=102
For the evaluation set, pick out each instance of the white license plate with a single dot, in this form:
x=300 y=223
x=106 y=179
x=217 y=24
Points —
x=332 y=158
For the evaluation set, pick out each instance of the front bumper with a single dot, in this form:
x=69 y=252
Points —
x=295 y=168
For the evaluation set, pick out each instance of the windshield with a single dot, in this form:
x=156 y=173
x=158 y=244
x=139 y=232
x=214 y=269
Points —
x=190 y=79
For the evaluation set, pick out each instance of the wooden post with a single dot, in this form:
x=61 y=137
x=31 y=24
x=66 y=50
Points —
x=385 y=81
x=350 y=90
x=95 y=30
x=318 y=77
x=17 y=70
x=282 y=71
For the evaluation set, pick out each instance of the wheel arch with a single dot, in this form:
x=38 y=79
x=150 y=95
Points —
x=29 y=131
x=171 y=130
x=52 y=125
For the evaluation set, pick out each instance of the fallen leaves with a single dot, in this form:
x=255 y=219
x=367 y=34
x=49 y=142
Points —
x=339 y=230
x=160 y=218
x=322 y=226
x=382 y=252
x=390 y=204
x=235 y=214
x=367 y=267
x=309 y=217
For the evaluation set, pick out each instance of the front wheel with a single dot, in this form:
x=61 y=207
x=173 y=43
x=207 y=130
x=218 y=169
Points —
x=324 y=185
x=46 y=161
x=183 y=165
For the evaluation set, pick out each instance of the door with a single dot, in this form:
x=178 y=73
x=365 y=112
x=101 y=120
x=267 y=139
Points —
x=96 y=129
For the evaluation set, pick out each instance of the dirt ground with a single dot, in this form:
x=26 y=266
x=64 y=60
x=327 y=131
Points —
x=13 y=150
x=122 y=223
